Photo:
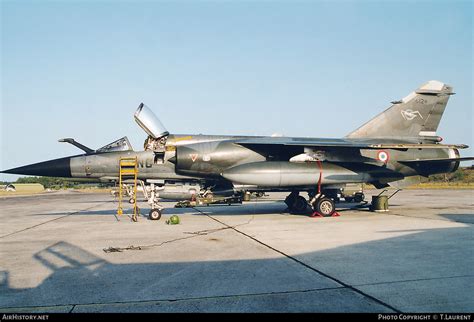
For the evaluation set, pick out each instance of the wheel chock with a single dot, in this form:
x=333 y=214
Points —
x=318 y=215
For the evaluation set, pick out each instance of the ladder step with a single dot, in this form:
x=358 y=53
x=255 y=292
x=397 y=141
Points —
x=127 y=163
x=128 y=171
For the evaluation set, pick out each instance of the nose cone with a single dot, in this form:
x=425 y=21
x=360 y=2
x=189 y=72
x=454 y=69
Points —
x=52 y=168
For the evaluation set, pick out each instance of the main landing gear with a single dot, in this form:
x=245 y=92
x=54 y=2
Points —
x=322 y=206
x=296 y=203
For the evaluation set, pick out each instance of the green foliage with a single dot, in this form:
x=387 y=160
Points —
x=461 y=175
x=48 y=182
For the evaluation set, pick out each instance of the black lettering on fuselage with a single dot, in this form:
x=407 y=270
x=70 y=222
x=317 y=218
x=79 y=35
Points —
x=149 y=163
x=142 y=163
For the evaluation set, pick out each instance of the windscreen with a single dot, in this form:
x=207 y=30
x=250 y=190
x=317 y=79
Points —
x=120 y=145
x=149 y=122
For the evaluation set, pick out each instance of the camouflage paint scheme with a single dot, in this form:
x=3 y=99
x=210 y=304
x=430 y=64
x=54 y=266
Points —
x=398 y=143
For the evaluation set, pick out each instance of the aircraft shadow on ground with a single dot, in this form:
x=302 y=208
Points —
x=461 y=218
x=249 y=209
x=257 y=208
x=380 y=267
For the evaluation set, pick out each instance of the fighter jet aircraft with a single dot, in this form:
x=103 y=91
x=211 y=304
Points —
x=390 y=149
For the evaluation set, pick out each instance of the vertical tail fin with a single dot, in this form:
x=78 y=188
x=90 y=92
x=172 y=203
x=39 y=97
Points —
x=418 y=114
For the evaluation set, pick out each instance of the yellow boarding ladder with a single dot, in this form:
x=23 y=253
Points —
x=128 y=170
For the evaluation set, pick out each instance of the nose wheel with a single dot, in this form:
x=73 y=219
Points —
x=154 y=214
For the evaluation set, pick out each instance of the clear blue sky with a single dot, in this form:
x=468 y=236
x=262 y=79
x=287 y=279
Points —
x=316 y=68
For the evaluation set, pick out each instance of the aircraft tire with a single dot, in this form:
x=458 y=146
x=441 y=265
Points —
x=154 y=214
x=290 y=200
x=359 y=197
x=299 y=205
x=325 y=207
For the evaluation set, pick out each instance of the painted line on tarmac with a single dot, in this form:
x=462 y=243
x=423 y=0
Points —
x=71 y=307
x=51 y=220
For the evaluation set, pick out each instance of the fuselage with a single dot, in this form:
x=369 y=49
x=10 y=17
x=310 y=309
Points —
x=222 y=158
x=204 y=157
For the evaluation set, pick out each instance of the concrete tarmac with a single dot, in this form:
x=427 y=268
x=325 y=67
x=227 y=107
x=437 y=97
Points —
x=255 y=257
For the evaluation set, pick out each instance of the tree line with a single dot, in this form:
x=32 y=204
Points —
x=54 y=183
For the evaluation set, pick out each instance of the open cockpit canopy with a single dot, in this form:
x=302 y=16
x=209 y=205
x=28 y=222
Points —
x=149 y=122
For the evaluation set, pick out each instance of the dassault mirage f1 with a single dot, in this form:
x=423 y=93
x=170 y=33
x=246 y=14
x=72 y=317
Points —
x=391 y=149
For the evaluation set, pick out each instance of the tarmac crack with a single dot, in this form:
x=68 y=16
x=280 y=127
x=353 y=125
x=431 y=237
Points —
x=197 y=298
x=193 y=235
x=351 y=287
x=49 y=221
x=416 y=280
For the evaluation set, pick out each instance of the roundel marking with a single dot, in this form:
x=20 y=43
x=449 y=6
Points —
x=383 y=156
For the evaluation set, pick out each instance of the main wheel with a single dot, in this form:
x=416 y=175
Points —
x=155 y=214
x=359 y=197
x=325 y=207
x=291 y=199
x=299 y=205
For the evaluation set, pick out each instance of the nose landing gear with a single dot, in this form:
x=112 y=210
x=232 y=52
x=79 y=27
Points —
x=155 y=214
